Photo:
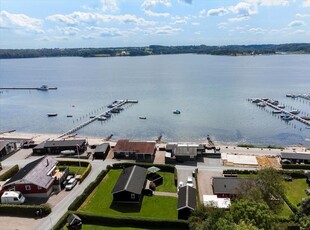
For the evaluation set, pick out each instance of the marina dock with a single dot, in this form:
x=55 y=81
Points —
x=295 y=117
x=80 y=126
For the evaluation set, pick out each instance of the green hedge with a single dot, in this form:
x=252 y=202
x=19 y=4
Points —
x=296 y=166
x=86 y=172
x=292 y=206
x=163 y=168
x=8 y=174
x=72 y=163
x=294 y=173
x=81 y=198
x=237 y=171
x=25 y=210
x=134 y=222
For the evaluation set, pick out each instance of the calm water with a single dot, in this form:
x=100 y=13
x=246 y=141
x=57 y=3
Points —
x=210 y=91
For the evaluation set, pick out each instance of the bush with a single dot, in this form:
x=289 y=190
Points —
x=296 y=166
x=294 y=173
x=25 y=210
x=88 y=190
x=292 y=206
x=72 y=163
x=163 y=168
x=236 y=171
x=85 y=174
x=134 y=222
x=8 y=174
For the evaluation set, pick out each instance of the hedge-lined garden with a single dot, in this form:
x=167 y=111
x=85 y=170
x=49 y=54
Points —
x=31 y=211
x=9 y=173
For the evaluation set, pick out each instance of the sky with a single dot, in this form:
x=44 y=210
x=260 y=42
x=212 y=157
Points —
x=124 y=23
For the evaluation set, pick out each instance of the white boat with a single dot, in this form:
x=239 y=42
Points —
x=261 y=104
x=52 y=114
x=177 y=111
x=281 y=106
x=276 y=111
x=101 y=118
x=295 y=111
x=67 y=152
x=287 y=118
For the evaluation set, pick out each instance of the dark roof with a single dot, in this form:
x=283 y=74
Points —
x=40 y=146
x=184 y=149
x=187 y=198
x=3 y=144
x=226 y=185
x=140 y=147
x=295 y=156
x=36 y=172
x=102 y=148
x=72 y=218
x=64 y=143
x=132 y=179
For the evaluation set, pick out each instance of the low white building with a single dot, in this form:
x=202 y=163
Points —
x=239 y=159
x=213 y=200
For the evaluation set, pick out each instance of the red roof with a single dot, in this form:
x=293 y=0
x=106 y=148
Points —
x=139 y=147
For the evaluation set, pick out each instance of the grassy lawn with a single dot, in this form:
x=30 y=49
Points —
x=75 y=169
x=168 y=185
x=295 y=190
x=99 y=227
x=285 y=211
x=100 y=202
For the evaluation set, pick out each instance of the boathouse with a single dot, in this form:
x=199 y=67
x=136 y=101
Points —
x=130 y=184
x=55 y=147
x=140 y=151
x=101 y=151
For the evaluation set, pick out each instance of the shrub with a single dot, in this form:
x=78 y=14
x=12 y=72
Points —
x=25 y=210
x=163 y=168
x=72 y=163
x=86 y=172
x=11 y=172
x=292 y=206
x=296 y=166
x=294 y=173
x=236 y=171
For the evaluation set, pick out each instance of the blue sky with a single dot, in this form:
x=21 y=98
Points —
x=113 y=23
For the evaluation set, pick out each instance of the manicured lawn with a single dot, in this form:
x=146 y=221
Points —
x=285 y=211
x=168 y=184
x=75 y=169
x=295 y=190
x=100 y=202
x=98 y=227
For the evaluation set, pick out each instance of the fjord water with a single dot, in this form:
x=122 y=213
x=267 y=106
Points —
x=210 y=91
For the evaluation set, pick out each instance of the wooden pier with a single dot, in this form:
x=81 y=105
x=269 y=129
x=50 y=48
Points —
x=116 y=105
x=27 y=88
x=306 y=122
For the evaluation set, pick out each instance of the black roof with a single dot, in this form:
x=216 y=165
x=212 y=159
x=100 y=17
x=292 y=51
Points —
x=295 y=156
x=187 y=198
x=132 y=179
x=102 y=148
x=61 y=143
x=72 y=217
x=226 y=185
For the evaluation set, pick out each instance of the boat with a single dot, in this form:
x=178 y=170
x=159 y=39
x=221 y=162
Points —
x=43 y=88
x=120 y=108
x=261 y=104
x=52 y=114
x=91 y=117
x=305 y=118
x=107 y=115
x=101 y=118
x=67 y=152
x=143 y=118
x=287 y=118
x=256 y=100
x=281 y=106
x=115 y=110
x=295 y=111
x=177 y=111
x=69 y=116
x=276 y=111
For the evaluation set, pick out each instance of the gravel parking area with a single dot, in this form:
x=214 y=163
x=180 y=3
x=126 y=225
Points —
x=205 y=182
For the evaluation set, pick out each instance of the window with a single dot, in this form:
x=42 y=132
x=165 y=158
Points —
x=133 y=196
x=15 y=198
x=39 y=188
x=28 y=187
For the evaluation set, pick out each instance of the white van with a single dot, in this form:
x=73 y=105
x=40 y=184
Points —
x=12 y=197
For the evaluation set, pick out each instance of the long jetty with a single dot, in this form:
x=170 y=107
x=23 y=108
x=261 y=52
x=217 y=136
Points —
x=284 y=111
x=116 y=105
x=26 y=88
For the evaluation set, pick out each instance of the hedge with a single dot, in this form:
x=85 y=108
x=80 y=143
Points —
x=73 y=163
x=148 y=223
x=8 y=174
x=25 y=210
x=163 y=168
x=237 y=171
x=294 y=173
x=81 y=198
x=86 y=172
x=292 y=206
x=296 y=166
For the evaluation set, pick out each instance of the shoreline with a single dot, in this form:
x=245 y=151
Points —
x=40 y=137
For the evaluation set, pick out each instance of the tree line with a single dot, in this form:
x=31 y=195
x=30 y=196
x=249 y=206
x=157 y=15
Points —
x=231 y=50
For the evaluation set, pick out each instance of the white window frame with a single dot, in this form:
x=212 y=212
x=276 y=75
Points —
x=28 y=187
x=133 y=196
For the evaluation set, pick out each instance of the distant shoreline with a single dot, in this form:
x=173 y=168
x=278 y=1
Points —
x=229 y=50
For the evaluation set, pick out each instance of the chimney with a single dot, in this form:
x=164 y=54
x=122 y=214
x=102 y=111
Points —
x=47 y=163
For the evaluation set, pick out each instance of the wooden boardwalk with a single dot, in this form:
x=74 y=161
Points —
x=80 y=126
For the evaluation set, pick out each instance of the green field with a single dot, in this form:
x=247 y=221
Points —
x=168 y=183
x=100 y=202
x=75 y=169
x=295 y=190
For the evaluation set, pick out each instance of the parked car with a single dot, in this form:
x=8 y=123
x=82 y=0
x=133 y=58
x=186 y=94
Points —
x=12 y=197
x=181 y=184
x=71 y=183
x=189 y=181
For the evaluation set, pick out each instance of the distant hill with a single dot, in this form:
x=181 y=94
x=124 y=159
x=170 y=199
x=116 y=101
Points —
x=231 y=50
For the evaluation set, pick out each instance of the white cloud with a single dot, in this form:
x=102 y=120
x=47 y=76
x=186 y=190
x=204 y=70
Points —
x=298 y=32
x=239 y=19
x=244 y=9
x=69 y=31
x=296 y=23
x=222 y=25
x=109 y=5
x=77 y=18
x=181 y=20
x=302 y=15
x=306 y=3
x=257 y=30
x=163 y=30
x=195 y=23
x=153 y=14
x=217 y=12
x=273 y=2
x=20 y=22
x=187 y=1
x=151 y=3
